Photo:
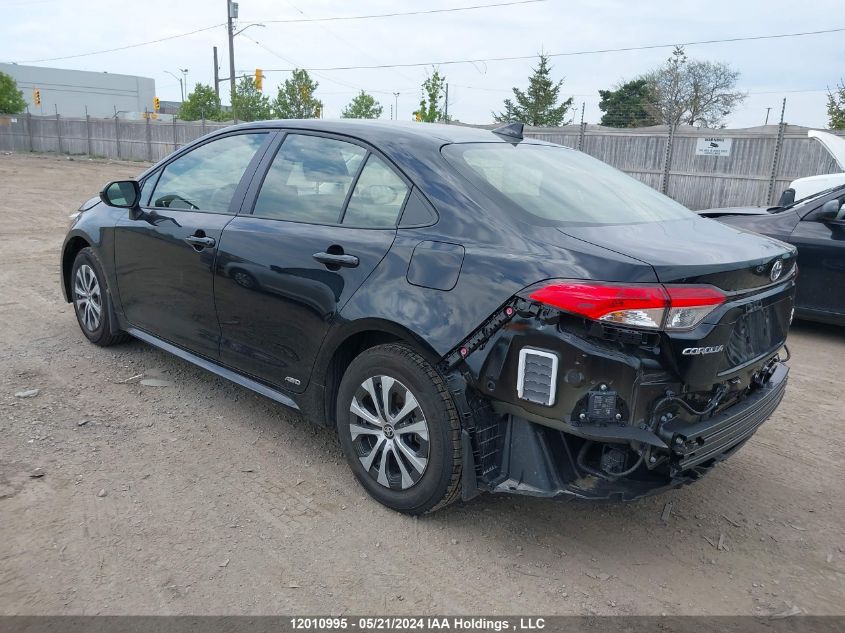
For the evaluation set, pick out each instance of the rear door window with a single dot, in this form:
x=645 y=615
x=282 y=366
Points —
x=309 y=180
x=377 y=198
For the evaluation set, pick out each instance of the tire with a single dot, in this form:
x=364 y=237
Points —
x=413 y=467
x=92 y=301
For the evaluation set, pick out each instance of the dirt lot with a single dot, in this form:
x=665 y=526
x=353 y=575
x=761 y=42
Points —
x=203 y=498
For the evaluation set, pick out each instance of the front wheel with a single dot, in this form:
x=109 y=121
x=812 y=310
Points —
x=399 y=429
x=92 y=301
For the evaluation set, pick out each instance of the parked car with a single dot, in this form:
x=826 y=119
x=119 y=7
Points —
x=801 y=188
x=471 y=310
x=816 y=226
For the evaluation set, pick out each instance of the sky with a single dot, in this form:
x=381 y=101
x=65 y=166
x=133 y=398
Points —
x=797 y=68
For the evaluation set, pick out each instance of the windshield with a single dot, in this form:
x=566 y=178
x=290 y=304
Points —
x=555 y=185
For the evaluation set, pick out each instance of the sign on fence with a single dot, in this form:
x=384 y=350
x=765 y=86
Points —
x=713 y=146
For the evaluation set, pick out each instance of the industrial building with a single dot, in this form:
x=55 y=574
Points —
x=72 y=93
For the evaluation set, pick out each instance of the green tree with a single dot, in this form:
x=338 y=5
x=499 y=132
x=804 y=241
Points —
x=693 y=92
x=627 y=105
x=11 y=99
x=363 y=106
x=203 y=102
x=539 y=104
x=248 y=103
x=836 y=107
x=295 y=99
x=433 y=100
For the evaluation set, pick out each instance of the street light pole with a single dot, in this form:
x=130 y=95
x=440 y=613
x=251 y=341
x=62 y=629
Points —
x=184 y=72
x=216 y=75
x=181 y=85
x=396 y=104
x=232 y=13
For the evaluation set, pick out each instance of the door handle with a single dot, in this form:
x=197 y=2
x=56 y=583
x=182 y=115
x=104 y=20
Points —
x=200 y=241
x=329 y=259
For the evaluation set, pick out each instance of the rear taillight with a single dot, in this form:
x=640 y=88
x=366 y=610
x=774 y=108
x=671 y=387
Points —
x=651 y=306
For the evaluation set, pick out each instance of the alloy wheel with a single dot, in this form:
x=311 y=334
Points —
x=389 y=432
x=87 y=298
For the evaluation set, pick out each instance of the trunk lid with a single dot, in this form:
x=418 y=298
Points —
x=754 y=271
x=694 y=250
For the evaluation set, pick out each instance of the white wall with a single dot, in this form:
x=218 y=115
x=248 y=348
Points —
x=70 y=91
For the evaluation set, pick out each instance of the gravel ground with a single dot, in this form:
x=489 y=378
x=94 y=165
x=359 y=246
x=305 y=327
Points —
x=202 y=498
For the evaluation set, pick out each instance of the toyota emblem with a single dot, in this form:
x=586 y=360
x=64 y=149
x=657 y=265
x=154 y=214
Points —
x=776 y=271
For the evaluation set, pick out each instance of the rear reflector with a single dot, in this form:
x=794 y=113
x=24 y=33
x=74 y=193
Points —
x=651 y=306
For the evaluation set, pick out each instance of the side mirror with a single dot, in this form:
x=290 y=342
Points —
x=831 y=212
x=123 y=194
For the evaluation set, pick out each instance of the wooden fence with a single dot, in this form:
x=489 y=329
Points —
x=760 y=164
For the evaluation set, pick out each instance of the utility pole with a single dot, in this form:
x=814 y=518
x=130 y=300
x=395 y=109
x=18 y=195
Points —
x=216 y=75
x=446 y=105
x=232 y=12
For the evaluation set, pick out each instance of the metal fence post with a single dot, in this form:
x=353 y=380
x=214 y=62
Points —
x=149 y=137
x=776 y=157
x=583 y=129
x=175 y=143
x=117 y=134
x=29 y=129
x=88 y=130
x=59 y=129
x=667 y=160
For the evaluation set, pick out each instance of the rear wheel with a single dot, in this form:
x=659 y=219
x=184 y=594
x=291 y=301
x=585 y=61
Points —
x=92 y=301
x=399 y=429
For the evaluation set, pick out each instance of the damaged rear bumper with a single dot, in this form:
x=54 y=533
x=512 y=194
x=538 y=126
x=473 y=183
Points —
x=509 y=453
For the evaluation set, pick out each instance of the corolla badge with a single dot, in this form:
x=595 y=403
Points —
x=777 y=269
x=698 y=351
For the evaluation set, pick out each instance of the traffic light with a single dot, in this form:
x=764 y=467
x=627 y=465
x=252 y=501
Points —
x=36 y=97
x=156 y=104
x=259 y=78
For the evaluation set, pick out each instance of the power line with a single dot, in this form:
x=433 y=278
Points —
x=123 y=48
x=749 y=38
x=286 y=21
x=595 y=95
x=403 y=13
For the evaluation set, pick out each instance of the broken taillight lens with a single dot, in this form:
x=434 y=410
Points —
x=652 y=306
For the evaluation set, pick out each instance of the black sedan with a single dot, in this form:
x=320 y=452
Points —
x=471 y=310
x=816 y=226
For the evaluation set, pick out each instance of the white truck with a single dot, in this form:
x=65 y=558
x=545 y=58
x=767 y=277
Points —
x=802 y=187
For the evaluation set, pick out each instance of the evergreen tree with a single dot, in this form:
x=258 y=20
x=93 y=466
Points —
x=626 y=105
x=538 y=105
x=295 y=99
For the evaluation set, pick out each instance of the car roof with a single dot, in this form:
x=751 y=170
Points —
x=379 y=131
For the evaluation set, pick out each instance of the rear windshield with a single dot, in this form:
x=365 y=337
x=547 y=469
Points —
x=555 y=185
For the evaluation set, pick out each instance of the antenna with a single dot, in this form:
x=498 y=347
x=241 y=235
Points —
x=511 y=130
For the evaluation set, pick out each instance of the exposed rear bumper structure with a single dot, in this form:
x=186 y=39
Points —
x=695 y=444
x=511 y=454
